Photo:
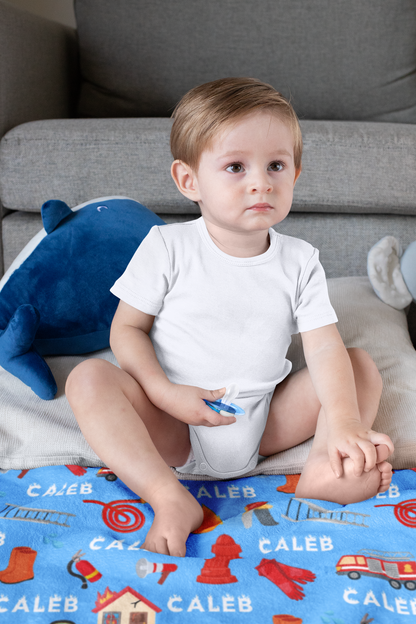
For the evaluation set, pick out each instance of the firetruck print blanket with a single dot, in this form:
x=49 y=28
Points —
x=70 y=553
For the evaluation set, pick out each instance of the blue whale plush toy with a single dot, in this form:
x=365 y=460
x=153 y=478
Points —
x=55 y=297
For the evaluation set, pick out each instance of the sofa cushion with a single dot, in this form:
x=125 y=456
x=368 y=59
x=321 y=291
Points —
x=334 y=59
x=39 y=433
x=347 y=166
x=343 y=240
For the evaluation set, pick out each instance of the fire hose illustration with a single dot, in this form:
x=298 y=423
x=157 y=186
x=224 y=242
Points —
x=405 y=512
x=121 y=517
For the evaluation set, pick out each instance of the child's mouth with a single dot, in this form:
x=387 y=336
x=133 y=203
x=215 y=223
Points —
x=261 y=207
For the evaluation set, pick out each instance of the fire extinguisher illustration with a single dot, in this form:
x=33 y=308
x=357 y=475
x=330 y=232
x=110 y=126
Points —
x=87 y=571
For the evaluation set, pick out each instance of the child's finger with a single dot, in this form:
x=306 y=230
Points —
x=336 y=463
x=214 y=395
x=370 y=454
x=381 y=438
x=215 y=419
x=358 y=458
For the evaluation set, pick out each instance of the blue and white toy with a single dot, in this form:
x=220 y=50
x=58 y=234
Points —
x=225 y=406
x=55 y=298
x=392 y=273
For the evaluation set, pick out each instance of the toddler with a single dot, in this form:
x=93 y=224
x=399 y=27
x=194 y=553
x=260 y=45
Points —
x=214 y=301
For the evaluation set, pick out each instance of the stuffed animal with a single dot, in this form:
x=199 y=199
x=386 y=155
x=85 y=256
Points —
x=55 y=298
x=393 y=273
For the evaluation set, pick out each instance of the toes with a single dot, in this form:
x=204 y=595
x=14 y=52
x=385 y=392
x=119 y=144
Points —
x=385 y=468
x=385 y=476
x=383 y=452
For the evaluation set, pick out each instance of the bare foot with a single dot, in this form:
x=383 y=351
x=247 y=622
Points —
x=177 y=513
x=318 y=480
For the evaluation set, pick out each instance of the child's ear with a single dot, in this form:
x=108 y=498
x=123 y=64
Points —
x=185 y=179
x=297 y=174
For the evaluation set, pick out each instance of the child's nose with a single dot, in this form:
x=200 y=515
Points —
x=260 y=186
x=260 y=182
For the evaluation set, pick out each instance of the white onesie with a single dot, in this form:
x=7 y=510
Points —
x=222 y=319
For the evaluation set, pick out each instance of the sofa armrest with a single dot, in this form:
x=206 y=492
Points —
x=38 y=68
x=2 y=213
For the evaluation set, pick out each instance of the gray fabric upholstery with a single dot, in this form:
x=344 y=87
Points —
x=77 y=160
x=38 y=68
x=343 y=240
x=347 y=166
x=336 y=59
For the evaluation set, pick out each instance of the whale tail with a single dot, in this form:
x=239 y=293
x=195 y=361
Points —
x=18 y=356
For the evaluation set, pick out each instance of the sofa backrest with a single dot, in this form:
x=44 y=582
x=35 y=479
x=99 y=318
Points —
x=335 y=59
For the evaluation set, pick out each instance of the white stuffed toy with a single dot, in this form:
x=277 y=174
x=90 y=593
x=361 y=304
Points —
x=392 y=273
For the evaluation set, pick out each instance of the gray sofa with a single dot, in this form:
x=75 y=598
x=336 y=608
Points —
x=85 y=114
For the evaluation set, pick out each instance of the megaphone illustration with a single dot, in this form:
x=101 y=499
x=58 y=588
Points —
x=145 y=567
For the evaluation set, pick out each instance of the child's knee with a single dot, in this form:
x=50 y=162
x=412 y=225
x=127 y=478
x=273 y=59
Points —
x=85 y=379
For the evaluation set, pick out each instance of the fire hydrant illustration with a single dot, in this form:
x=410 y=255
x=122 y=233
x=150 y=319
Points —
x=86 y=570
x=216 y=571
x=145 y=567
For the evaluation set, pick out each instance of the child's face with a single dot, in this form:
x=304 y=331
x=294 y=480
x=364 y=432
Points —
x=245 y=180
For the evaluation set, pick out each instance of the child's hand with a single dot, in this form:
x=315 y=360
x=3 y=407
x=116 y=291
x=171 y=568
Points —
x=351 y=439
x=186 y=403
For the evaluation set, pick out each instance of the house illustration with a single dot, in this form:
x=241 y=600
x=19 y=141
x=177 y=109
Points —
x=124 y=607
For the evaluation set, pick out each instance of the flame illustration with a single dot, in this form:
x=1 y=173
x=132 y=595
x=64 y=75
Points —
x=210 y=521
x=102 y=598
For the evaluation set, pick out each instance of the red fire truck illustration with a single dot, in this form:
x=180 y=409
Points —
x=107 y=473
x=394 y=567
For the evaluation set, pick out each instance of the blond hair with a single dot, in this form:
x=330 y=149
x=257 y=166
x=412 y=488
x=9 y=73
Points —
x=205 y=110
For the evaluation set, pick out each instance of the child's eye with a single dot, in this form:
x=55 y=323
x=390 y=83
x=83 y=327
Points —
x=235 y=168
x=276 y=166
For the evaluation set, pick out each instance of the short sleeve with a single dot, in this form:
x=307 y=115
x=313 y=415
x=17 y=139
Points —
x=145 y=281
x=313 y=309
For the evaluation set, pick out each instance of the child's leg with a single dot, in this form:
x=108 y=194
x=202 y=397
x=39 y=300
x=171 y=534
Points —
x=296 y=414
x=138 y=442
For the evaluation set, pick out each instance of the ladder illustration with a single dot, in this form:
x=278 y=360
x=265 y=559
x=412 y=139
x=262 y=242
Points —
x=29 y=514
x=403 y=555
x=306 y=510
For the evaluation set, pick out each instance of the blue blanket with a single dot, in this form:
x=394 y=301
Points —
x=70 y=553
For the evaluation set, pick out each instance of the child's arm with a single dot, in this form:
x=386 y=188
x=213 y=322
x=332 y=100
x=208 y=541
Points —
x=333 y=379
x=135 y=354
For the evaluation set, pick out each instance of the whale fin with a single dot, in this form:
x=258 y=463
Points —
x=18 y=356
x=53 y=212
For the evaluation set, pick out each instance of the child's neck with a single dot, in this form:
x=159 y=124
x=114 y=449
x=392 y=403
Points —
x=239 y=244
